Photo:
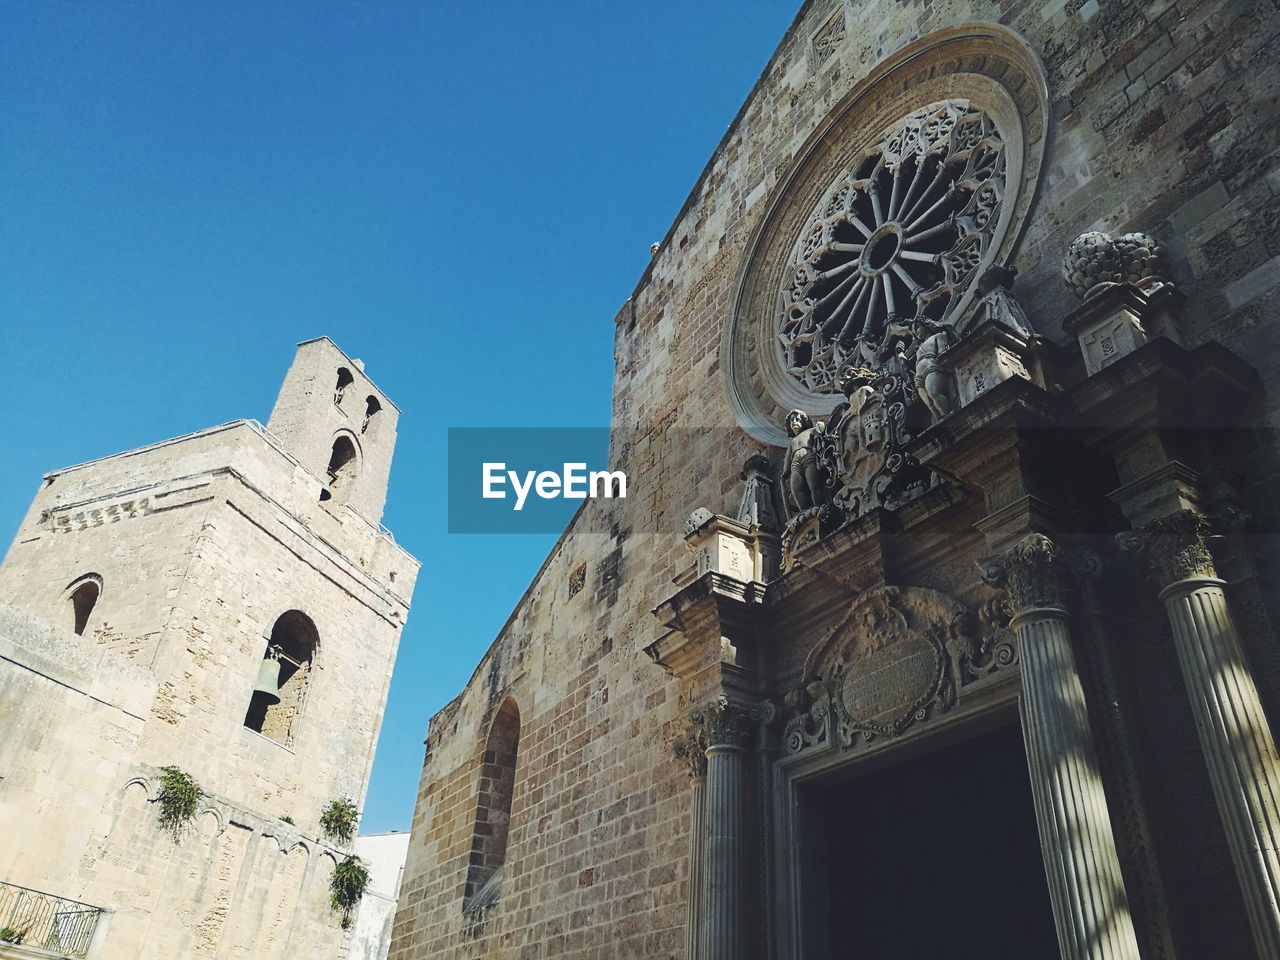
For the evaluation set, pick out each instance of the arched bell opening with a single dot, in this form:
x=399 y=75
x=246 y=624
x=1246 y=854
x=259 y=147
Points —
x=283 y=675
x=343 y=468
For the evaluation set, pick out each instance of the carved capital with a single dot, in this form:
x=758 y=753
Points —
x=723 y=722
x=1175 y=546
x=1035 y=572
x=690 y=747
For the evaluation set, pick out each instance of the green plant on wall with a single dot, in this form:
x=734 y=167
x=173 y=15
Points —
x=178 y=799
x=13 y=934
x=347 y=886
x=339 y=819
x=287 y=819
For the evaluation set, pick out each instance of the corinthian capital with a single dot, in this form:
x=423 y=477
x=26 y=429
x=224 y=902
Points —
x=1176 y=546
x=723 y=722
x=1035 y=572
x=691 y=748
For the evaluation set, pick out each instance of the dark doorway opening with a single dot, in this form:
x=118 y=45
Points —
x=938 y=857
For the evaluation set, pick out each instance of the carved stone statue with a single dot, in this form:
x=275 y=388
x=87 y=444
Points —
x=998 y=303
x=934 y=381
x=802 y=468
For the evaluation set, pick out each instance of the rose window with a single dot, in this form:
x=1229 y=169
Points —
x=895 y=241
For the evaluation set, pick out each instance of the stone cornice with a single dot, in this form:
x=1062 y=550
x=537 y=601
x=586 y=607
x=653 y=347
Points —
x=699 y=616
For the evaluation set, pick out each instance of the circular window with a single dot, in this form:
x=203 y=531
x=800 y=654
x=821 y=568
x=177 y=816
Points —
x=893 y=241
x=918 y=180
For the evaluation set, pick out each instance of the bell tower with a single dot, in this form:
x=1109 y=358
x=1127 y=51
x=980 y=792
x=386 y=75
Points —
x=331 y=417
x=223 y=608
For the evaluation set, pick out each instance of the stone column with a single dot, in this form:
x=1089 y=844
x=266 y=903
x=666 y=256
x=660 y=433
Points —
x=1090 y=908
x=723 y=911
x=1235 y=737
x=691 y=748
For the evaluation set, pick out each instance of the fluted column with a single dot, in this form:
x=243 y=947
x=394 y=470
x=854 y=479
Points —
x=1235 y=737
x=691 y=748
x=1090 y=908
x=723 y=912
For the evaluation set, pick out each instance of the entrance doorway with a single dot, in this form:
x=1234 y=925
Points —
x=937 y=857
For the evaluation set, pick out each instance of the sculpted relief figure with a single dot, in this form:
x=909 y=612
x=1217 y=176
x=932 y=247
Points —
x=802 y=466
x=934 y=381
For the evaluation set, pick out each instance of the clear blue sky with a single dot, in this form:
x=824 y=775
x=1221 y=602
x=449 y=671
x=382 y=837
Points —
x=461 y=194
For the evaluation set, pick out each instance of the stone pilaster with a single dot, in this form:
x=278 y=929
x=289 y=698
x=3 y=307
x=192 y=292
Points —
x=1235 y=737
x=691 y=748
x=724 y=725
x=1090 y=907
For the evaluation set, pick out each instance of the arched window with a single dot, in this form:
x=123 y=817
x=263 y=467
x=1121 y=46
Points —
x=283 y=674
x=82 y=597
x=493 y=808
x=345 y=379
x=371 y=406
x=342 y=469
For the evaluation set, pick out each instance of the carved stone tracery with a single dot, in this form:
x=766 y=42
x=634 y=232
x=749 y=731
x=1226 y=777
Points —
x=894 y=241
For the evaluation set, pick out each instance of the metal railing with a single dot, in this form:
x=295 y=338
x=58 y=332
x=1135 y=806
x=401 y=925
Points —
x=41 y=920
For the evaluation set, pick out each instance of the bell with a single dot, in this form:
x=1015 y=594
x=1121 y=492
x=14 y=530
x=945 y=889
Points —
x=269 y=680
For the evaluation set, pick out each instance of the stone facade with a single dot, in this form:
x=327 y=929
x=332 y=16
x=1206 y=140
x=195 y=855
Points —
x=980 y=590
x=201 y=554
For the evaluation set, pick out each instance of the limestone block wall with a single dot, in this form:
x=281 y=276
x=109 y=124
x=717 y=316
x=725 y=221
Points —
x=72 y=717
x=1162 y=120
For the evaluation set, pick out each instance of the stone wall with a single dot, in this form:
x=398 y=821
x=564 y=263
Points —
x=1162 y=120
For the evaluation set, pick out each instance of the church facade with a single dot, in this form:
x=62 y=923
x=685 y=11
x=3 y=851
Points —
x=196 y=640
x=940 y=618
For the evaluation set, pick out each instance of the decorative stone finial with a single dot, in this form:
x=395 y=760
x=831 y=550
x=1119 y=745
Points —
x=756 y=508
x=1097 y=260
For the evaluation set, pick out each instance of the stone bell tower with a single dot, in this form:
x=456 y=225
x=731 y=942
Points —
x=141 y=600
x=338 y=424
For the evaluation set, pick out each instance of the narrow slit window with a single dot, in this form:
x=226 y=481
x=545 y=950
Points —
x=371 y=407
x=345 y=379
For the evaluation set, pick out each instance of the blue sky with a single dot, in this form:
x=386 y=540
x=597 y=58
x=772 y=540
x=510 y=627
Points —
x=461 y=194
